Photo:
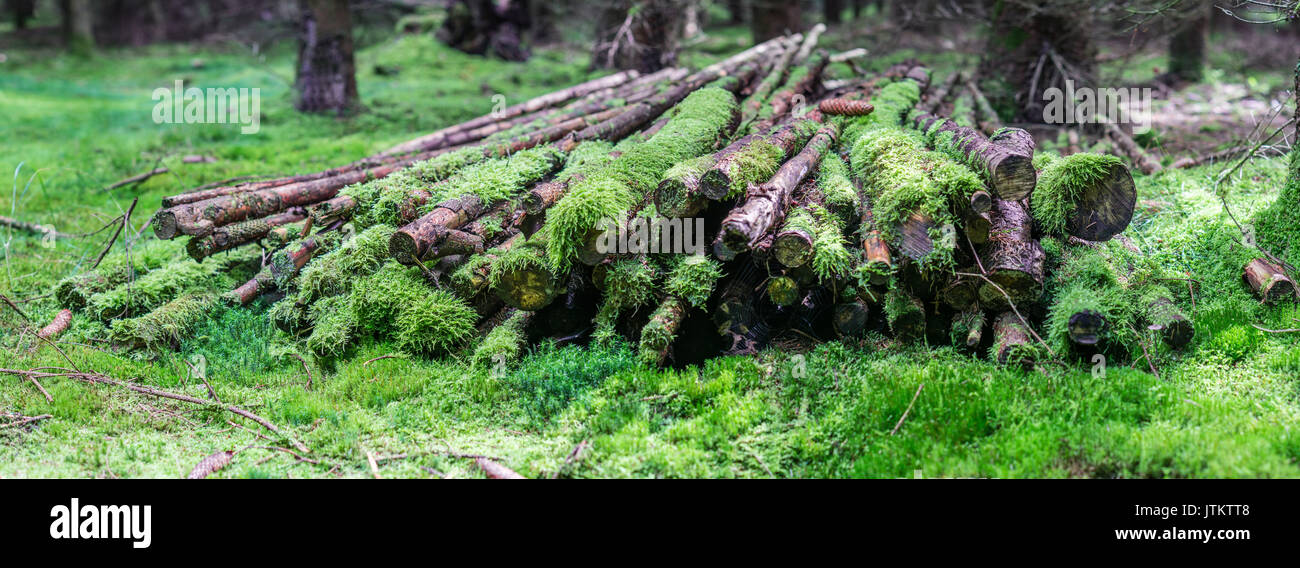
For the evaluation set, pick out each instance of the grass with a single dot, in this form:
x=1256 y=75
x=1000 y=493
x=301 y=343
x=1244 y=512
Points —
x=1223 y=407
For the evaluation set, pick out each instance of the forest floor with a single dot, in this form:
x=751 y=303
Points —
x=1222 y=407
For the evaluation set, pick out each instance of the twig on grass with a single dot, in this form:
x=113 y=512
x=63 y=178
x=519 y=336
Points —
x=25 y=420
x=908 y=411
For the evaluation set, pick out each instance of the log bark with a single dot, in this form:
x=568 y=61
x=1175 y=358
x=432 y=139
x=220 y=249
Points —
x=1013 y=259
x=936 y=97
x=1010 y=333
x=259 y=284
x=285 y=264
x=332 y=210
x=765 y=205
x=201 y=217
x=1269 y=282
x=414 y=241
x=239 y=234
x=1006 y=161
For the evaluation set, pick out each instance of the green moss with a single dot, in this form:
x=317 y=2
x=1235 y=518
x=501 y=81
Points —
x=1062 y=182
x=333 y=273
x=505 y=343
x=181 y=277
x=1089 y=279
x=164 y=326
x=526 y=255
x=435 y=324
x=904 y=178
x=611 y=191
x=841 y=196
x=498 y=179
x=892 y=104
x=1278 y=227
x=692 y=279
x=629 y=283
x=118 y=268
x=334 y=326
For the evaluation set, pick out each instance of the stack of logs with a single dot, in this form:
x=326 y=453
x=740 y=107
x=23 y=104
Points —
x=991 y=292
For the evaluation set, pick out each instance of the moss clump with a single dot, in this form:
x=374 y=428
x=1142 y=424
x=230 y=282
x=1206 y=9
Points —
x=498 y=179
x=1278 y=226
x=171 y=281
x=674 y=191
x=1062 y=182
x=840 y=196
x=1087 y=280
x=893 y=102
x=117 y=268
x=903 y=178
x=629 y=283
x=435 y=323
x=692 y=279
x=283 y=266
x=505 y=343
x=609 y=192
x=164 y=326
x=334 y=324
x=334 y=272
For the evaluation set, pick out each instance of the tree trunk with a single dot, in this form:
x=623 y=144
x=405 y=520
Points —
x=487 y=27
x=639 y=35
x=326 y=80
x=736 y=11
x=23 y=10
x=833 y=11
x=1019 y=53
x=1187 y=45
x=78 y=26
x=772 y=18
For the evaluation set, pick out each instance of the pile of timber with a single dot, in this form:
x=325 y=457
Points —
x=709 y=212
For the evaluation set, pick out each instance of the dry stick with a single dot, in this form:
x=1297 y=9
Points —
x=32 y=228
x=1266 y=330
x=495 y=470
x=304 y=367
x=104 y=379
x=26 y=420
x=1023 y=321
x=38 y=386
x=909 y=410
x=137 y=178
x=374 y=467
x=296 y=455
x=15 y=307
x=574 y=455
x=126 y=222
x=389 y=356
x=1143 y=344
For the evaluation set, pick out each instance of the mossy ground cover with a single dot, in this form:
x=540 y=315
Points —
x=1224 y=406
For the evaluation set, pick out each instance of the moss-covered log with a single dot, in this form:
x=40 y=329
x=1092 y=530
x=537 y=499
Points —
x=802 y=79
x=287 y=262
x=764 y=206
x=783 y=290
x=239 y=234
x=1089 y=196
x=690 y=282
x=1269 y=282
x=506 y=342
x=1012 y=342
x=336 y=209
x=181 y=277
x=905 y=315
x=164 y=326
x=1012 y=258
x=934 y=99
x=754 y=159
x=968 y=327
x=116 y=269
x=1163 y=316
x=1005 y=163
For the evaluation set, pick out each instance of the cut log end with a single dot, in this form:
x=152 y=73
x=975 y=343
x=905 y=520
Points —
x=528 y=289
x=1011 y=340
x=1014 y=177
x=850 y=318
x=1084 y=327
x=1269 y=282
x=1105 y=208
x=783 y=290
x=793 y=248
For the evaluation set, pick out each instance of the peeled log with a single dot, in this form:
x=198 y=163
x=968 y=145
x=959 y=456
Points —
x=238 y=234
x=1012 y=258
x=1006 y=159
x=1269 y=282
x=765 y=205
